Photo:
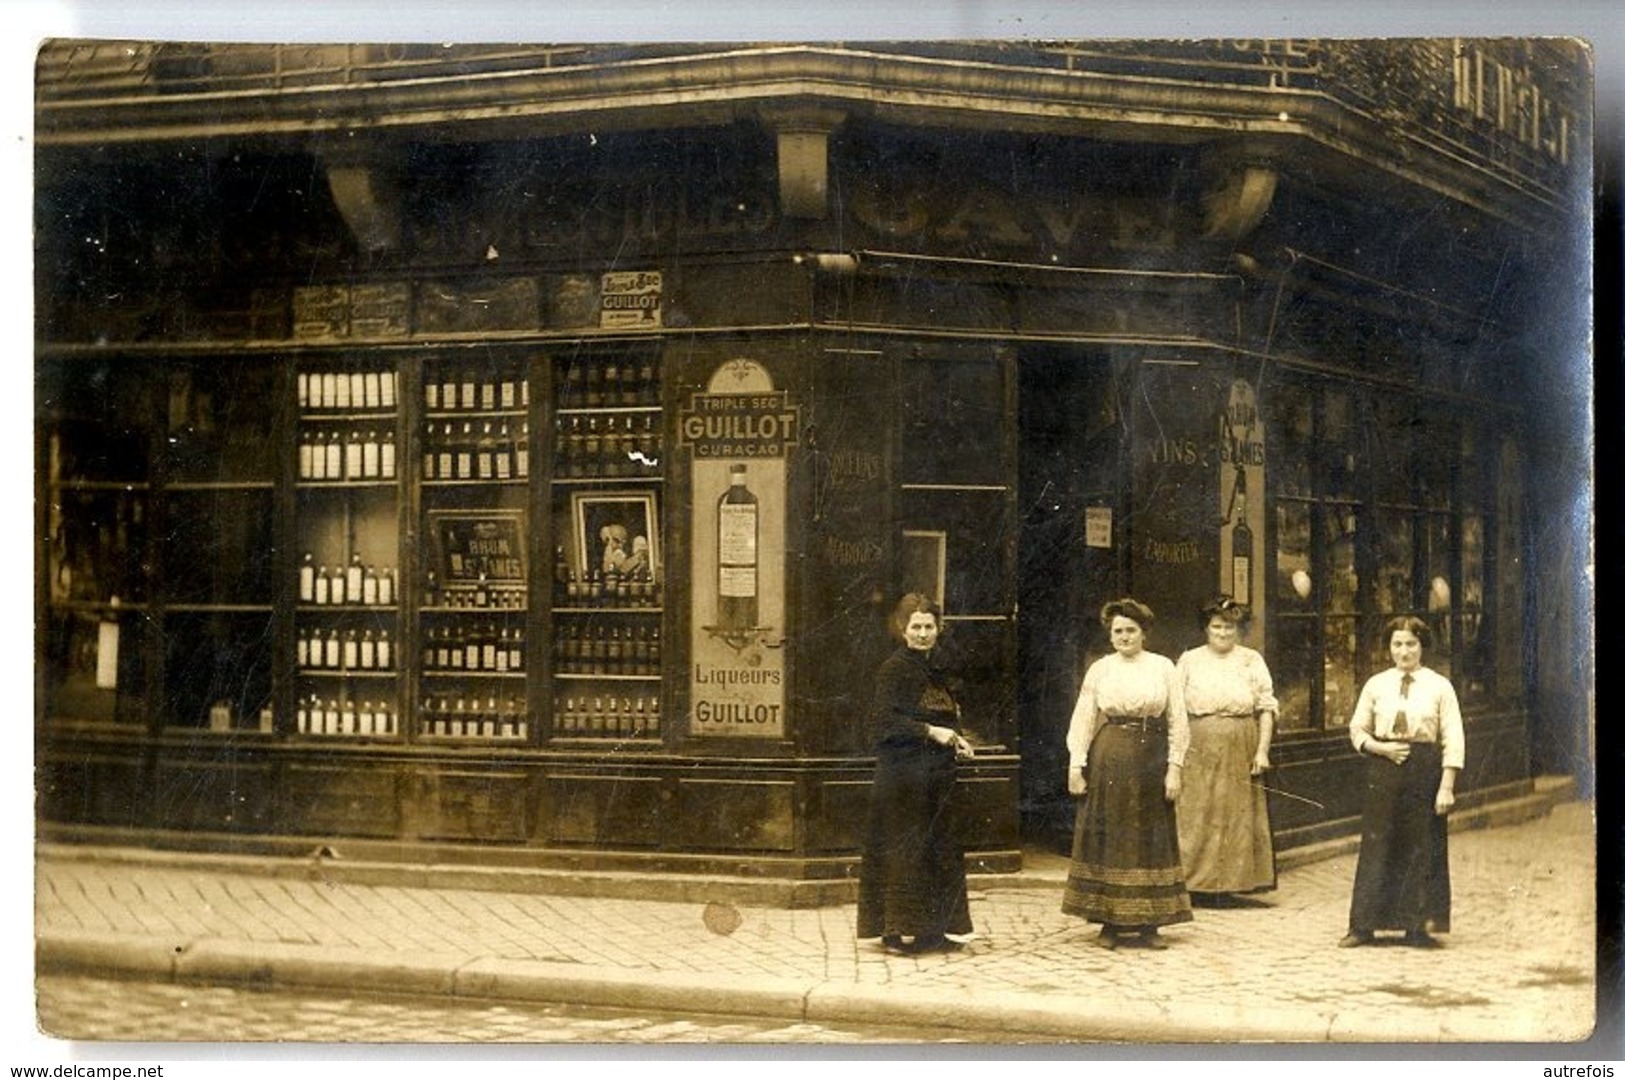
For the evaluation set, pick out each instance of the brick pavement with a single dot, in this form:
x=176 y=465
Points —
x=1520 y=965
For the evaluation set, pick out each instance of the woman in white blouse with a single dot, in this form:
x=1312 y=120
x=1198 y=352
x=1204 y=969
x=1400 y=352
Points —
x=1126 y=748
x=1224 y=825
x=1408 y=723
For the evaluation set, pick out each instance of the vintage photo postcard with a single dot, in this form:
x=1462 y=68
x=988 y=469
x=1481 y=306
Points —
x=955 y=541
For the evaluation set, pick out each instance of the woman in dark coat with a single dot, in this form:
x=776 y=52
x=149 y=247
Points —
x=911 y=884
x=1408 y=724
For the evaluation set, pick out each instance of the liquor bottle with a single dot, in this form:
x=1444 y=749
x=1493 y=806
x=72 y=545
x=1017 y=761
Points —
x=354 y=448
x=324 y=587
x=471 y=649
x=521 y=451
x=516 y=650
x=386 y=455
x=647 y=445
x=374 y=398
x=386 y=390
x=303 y=650
x=386 y=587
x=355 y=576
x=431 y=395
x=366 y=722
x=352 y=652
x=466 y=398
x=335 y=457
x=575 y=461
x=369 y=651
x=386 y=651
x=488 y=649
x=488 y=395
x=592 y=449
x=595 y=385
x=465 y=453
x=304 y=391
x=1241 y=543
x=443 y=464
x=369 y=588
x=341 y=392
x=307 y=579
x=510 y=393
x=327 y=397
x=737 y=531
x=484 y=453
x=307 y=455
x=358 y=390
x=648 y=389
x=330 y=652
x=448 y=392
x=502 y=452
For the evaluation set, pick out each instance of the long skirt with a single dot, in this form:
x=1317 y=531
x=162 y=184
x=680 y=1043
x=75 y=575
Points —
x=912 y=877
x=1224 y=821
x=1125 y=846
x=1402 y=881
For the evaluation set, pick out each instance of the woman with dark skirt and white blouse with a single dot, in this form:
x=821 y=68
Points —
x=1126 y=748
x=1408 y=724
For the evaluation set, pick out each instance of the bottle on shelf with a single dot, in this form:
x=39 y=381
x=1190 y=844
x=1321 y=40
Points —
x=355 y=577
x=386 y=455
x=521 y=449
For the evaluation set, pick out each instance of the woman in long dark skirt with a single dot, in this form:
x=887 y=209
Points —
x=1126 y=747
x=1408 y=723
x=911 y=884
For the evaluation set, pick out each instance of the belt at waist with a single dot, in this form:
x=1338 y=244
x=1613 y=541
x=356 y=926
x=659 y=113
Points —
x=1134 y=721
x=1222 y=716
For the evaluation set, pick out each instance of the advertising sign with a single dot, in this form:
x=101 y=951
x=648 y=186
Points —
x=738 y=431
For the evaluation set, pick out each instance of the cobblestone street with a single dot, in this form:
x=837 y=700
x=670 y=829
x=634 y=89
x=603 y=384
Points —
x=1519 y=966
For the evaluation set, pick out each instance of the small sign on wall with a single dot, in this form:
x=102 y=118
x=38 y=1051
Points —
x=1097 y=526
x=630 y=300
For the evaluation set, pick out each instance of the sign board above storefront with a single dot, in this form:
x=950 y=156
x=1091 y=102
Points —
x=630 y=300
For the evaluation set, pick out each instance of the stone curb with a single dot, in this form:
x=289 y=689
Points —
x=966 y=1010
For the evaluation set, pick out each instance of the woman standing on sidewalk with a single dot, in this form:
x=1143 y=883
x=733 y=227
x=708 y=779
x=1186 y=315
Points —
x=911 y=883
x=1126 y=749
x=1408 y=723
x=1224 y=825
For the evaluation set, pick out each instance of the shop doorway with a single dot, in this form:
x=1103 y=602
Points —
x=1069 y=511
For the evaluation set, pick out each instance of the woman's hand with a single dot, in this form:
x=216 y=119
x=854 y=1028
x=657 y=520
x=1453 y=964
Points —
x=1173 y=782
x=1076 y=784
x=1443 y=801
x=1261 y=763
x=963 y=751
x=1396 y=752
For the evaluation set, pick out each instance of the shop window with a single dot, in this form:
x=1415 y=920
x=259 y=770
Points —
x=97 y=511
x=1400 y=510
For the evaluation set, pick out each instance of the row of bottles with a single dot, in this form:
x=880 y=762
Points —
x=610 y=382
x=491 y=451
x=608 y=588
x=613 y=446
x=357 y=583
x=465 y=392
x=333 y=717
x=475 y=718
x=347 y=454
x=607 y=717
x=346 y=391
x=478 y=595
x=587 y=649
x=487 y=648
x=326 y=649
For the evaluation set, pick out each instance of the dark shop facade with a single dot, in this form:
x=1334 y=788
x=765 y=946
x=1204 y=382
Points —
x=513 y=453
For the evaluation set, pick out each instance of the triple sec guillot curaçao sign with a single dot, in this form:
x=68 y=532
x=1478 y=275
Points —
x=738 y=432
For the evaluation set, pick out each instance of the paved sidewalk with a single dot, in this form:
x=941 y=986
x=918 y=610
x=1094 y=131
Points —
x=1519 y=966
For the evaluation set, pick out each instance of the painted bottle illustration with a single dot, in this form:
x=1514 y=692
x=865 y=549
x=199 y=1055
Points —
x=736 y=554
x=1241 y=543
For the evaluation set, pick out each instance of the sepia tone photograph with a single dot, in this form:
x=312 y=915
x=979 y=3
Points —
x=859 y=543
